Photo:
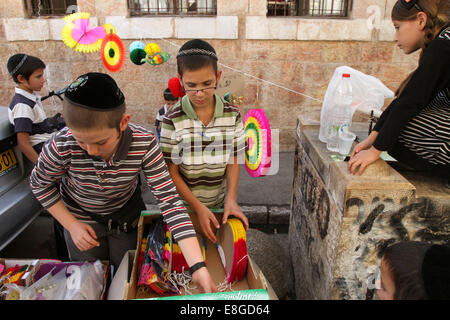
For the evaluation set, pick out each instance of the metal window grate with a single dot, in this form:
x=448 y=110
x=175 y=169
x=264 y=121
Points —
x=311 y=8
x=51 y=7
x=172 y=7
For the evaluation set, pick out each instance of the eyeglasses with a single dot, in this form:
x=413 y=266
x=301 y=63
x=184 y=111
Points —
x=193 y=92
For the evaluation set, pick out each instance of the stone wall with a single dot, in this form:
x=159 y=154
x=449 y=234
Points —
x=340 y=224
x=296 y=53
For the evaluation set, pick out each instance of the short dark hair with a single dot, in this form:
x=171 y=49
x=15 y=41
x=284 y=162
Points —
x=25 y=65
x=93 y=100
x=196 y=54
x=404 y=260
x=77 y=117
x=168 y=95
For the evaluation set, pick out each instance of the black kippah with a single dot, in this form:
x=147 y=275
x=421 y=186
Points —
x=197 y=47
x=96 y=91
x=15 y=62
x=436 y=272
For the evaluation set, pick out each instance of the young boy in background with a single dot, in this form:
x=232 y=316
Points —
x=169 y=102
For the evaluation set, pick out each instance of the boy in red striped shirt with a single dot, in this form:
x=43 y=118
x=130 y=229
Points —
x=98 y=159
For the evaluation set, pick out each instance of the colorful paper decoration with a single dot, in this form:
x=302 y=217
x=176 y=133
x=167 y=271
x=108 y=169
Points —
x=77 y=34
x=112 y=52
x=158 y=58
x=137 y=56
x=152 y=48
x=258 y=138
x=176 y=88
x=232 y=239
x=136 y=45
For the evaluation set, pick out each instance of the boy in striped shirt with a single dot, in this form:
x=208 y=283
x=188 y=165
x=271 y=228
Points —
x=202 y=138
x=98 y=158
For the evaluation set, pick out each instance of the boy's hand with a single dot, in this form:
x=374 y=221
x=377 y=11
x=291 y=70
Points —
x=205 y=217
x=231 y=208
x=83 y=236
x=203 y=280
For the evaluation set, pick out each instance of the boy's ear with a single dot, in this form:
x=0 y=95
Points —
x=124 y=121
x=21 y=79
x=219 y=74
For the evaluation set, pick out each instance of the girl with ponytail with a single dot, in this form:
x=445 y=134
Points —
x=415 y=127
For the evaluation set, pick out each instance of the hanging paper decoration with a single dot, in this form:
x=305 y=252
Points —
x=77 y=34
x=232 y=239
x=152 y=48
x=136 y=45
x=175 y=87
x=258 y=138
x=158 y=58
x=112 y=52
x=137 y=56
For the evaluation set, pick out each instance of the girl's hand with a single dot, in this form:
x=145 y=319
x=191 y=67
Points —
x=83 y=236
x=365 y=144
x=205 y=217
x=202 y=279
x=362 y=159
x=231 y=208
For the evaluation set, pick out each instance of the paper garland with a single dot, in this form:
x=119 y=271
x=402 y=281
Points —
x=232 y=238
x=112 y=52
x=258 y=138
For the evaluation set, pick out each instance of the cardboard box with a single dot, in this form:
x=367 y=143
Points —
x=35 y=264
x=124 y=284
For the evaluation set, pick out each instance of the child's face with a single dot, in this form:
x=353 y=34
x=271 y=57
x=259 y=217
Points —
x=387 y=289
x=409 y=35
x=34 y=83
x=204 y=80
x=102 y=142
x=170 y=103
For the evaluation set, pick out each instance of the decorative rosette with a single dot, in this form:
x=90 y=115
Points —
x=258 y=138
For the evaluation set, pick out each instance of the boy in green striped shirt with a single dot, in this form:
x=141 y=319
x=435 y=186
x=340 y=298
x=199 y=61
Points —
x=202 y=138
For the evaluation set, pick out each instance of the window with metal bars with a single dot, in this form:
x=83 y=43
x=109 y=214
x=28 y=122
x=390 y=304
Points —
x=37 y=8
x=309 y=8
x=172 y=7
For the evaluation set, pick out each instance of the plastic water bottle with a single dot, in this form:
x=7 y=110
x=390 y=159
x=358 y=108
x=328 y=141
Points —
x=341 y=115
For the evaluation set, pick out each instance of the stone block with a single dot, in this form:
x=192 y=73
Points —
x=340 y=224
x=279 y=215
x=255 y=214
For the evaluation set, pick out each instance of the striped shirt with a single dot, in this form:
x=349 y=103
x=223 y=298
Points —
x=27 y=114
x=203 y=152
x=91 y=186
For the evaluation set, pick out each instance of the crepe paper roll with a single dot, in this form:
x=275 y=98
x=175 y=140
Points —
x=112 y=52
x=258 y=137
x=232 y=248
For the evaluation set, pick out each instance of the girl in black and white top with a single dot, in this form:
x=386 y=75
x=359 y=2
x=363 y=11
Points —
x=415 y=127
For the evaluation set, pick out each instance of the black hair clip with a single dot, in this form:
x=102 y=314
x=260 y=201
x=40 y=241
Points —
x=411 y=3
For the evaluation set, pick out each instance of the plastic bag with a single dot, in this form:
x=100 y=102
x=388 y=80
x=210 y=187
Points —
x=368 y=94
